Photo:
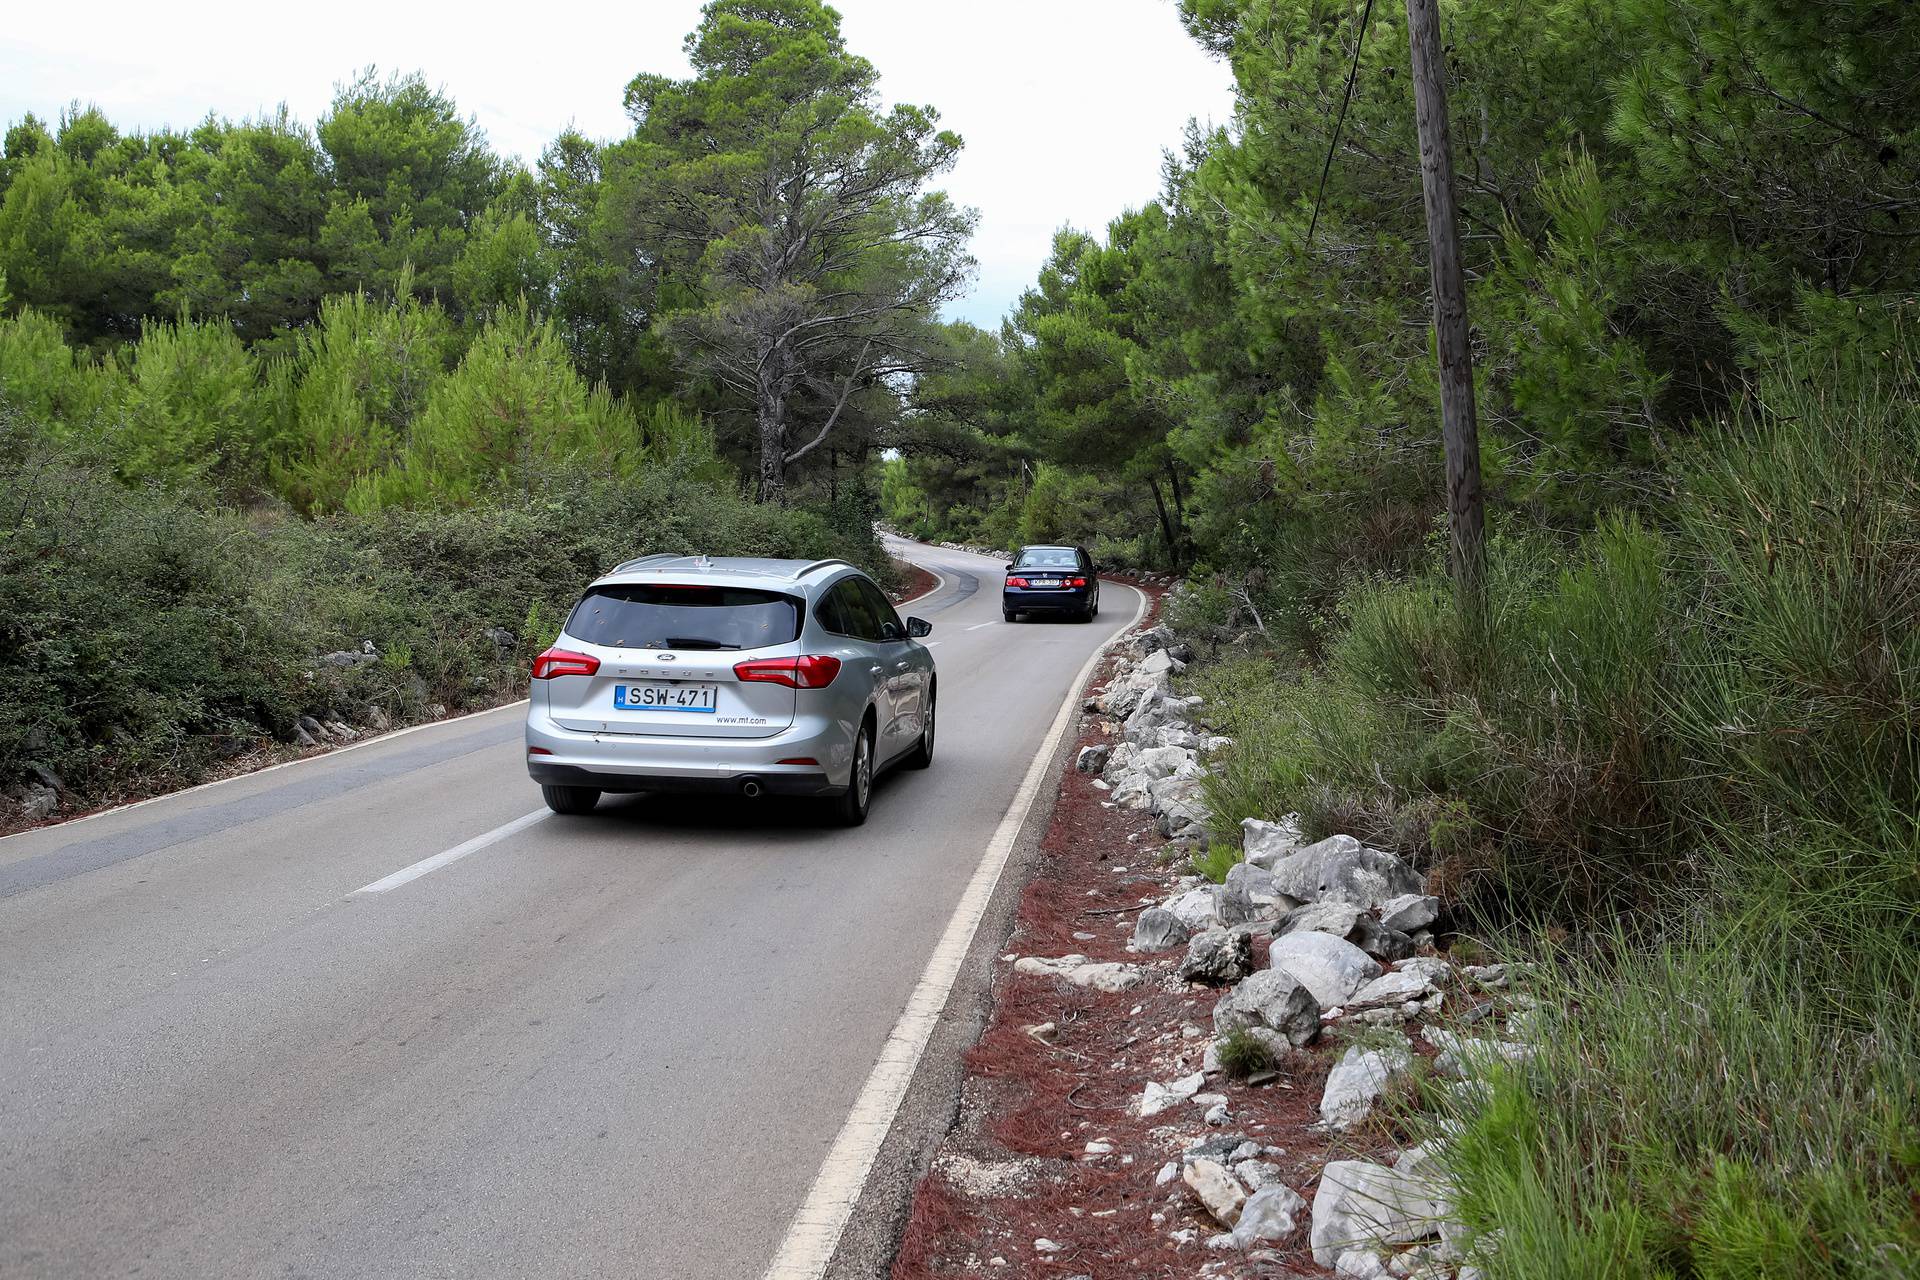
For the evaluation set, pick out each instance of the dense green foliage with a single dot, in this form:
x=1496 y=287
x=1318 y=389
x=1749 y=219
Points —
x=766 y=216
x=257 y=221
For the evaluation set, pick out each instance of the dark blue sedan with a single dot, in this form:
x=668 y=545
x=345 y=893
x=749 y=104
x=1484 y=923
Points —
x=1059 y=580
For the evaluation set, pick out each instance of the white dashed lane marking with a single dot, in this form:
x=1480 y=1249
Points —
x=408 y=874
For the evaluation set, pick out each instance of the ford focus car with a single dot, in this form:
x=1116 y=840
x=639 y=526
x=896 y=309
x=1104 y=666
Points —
x=740 y=677
x=1057 y=580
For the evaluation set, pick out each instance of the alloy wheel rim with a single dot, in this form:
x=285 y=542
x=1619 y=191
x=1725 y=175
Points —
x=863 y=770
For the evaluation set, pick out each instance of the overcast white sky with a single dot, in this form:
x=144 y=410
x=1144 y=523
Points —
x=1065 y=105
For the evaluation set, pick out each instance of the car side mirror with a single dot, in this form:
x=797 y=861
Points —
x=918 y=627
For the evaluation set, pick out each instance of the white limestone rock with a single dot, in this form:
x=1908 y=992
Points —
x=1360 y=1079
x=1108 y=975
x=1332 y=968
x=1362 y=1206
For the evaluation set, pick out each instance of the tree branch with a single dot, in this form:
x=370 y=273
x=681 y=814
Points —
x=846 y=390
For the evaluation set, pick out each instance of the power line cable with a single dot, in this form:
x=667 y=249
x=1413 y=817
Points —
x=1353 y=73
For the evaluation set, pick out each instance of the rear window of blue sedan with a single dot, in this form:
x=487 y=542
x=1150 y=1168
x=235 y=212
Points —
x=1048 y=558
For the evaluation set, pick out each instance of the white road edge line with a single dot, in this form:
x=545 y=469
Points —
x=814 y=1234
x=976 y=626
x=334 y=754
x=408 y=874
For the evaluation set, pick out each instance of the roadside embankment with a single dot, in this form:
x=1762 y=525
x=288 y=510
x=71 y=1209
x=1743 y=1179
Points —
x=1209 y=1075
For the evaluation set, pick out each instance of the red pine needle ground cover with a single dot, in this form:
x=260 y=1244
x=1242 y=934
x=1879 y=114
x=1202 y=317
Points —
x=914 y=582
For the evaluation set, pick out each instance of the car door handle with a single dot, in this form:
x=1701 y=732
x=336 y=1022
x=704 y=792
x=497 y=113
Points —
x=901 y=666
x=876 y=670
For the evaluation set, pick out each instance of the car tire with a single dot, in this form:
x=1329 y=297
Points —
x=922 y=754
x=850 y=806
x=1010 y=615
x=571 y=800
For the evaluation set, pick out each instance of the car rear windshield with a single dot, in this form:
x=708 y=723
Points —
x=668 y=616
x=1047 y=558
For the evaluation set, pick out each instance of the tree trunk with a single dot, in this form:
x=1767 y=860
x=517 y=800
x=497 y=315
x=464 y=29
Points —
x=1179 y=515
x=1166 y=521
x=1465 y=518
x=773 y=451
x=771 y=419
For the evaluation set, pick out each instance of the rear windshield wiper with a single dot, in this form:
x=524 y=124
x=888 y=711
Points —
x=693 y=642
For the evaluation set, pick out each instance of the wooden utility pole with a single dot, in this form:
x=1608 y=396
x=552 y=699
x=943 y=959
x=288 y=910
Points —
x=1465 y=517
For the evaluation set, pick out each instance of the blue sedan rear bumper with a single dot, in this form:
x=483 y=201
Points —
x=1017 y=600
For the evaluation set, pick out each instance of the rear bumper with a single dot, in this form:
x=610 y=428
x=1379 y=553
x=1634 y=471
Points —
x=1045 y=601
x=776 y=784
x=622 y=762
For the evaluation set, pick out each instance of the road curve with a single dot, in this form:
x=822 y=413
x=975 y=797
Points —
x=609 y=1046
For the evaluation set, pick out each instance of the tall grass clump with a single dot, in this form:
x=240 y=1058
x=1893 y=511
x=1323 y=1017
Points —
x=1733 y=1087
x=1702 y=1106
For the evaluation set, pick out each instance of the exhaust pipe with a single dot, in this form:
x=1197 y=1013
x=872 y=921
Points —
x=751 y=788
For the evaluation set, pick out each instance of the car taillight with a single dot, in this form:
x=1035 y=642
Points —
x=1016 y=582
x=811 y=671
x=564 y=662
x=1078 y=582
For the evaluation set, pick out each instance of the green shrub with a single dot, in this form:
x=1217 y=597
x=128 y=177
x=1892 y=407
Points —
x=1803 y=689
x=45 y=378
x=351 y=393
x=193 y=410
x=514 y=411
x=1215 y=861
x=1307 y=744
x=1243 y=1054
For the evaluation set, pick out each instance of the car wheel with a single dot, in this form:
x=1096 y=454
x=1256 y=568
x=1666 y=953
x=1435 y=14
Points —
x=922 y=754
x=569 y=799
x=850 y=806
x=1010 y=615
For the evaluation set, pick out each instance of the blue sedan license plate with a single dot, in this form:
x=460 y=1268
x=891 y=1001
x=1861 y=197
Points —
x=663 y=696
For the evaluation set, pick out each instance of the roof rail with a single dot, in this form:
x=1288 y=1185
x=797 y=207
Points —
x=806 y=569
x=641 y=562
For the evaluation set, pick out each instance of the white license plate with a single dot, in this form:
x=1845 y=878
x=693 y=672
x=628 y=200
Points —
x=663 y=696
x=1046 y=582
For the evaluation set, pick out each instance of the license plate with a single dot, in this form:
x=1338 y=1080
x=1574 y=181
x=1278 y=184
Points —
x=1046 y=582
x=661 y=696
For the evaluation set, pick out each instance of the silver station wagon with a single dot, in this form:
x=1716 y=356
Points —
x=742 y=676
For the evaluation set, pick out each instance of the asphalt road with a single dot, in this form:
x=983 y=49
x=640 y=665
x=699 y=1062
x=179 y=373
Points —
x=617 y=1045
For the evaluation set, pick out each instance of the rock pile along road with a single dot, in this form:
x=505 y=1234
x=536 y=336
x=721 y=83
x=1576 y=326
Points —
x=616 y=1045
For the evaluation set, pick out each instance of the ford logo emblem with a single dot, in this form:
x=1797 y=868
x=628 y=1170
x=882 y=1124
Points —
x=663 y=657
